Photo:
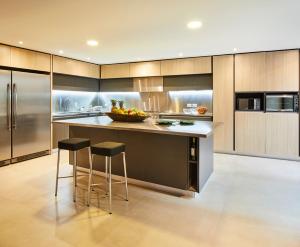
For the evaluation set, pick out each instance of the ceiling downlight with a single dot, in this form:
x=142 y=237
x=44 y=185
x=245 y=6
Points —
x=194 y=24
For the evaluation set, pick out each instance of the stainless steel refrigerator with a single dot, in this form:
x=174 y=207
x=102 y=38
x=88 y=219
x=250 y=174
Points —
x=24 y=115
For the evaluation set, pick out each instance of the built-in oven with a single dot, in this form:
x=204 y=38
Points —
x=249 y=101
x=282 y=102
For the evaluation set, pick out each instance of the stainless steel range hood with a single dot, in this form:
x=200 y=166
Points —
x=148 y=84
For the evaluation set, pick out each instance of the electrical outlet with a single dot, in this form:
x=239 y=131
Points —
x=188 y=105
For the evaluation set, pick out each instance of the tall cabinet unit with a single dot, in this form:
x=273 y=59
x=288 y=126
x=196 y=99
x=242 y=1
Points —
x=223 y=102
x=267 y=133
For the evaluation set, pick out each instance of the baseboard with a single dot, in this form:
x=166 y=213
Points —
x=259 y=156
x=30 y=156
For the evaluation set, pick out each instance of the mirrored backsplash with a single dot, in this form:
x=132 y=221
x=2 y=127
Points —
x=172 y=101
x=181 y=100
x=130 y=99
x=73 y=101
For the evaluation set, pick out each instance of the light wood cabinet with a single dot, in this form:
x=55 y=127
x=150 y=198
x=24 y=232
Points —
x=282 y=71
x=26 y=59
x=250 y=72
x=186 y=66
x=275 y=134
x=223 y=102
x=144 y=69
x=282 y=134
x=5 y=55
x=69 y=66
x=250 y=132
x=267 y=71
x=115 y=71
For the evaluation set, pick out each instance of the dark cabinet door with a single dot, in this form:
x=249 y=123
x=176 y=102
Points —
x=154 y=158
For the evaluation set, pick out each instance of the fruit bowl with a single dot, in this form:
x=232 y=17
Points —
x=126 y=117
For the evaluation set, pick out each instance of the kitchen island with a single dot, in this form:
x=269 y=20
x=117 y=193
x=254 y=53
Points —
x=177 y=156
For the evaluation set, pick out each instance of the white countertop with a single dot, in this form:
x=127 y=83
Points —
x=199 y=129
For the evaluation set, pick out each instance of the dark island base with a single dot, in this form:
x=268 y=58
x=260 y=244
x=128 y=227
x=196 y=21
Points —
x=154 y=158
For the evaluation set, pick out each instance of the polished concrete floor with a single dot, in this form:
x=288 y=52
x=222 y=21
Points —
x=247 y=202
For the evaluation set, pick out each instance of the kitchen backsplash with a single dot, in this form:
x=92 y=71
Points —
x=172 y=101
x=178 y=100
x=73 y=101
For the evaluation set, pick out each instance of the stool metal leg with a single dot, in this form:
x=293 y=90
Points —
x=109 y=165
x=75 y=158
x=125 y=174
x=57 y=172
x=106 y=174
x=91 y=158
x=74 y=175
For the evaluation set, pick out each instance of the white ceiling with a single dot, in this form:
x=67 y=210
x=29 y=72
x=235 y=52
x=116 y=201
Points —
x=132 y=30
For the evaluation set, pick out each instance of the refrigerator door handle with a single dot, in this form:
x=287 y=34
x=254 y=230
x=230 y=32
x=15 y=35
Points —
x=15 y=102
x=8 y=107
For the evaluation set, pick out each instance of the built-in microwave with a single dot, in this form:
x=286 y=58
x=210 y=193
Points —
x=249 y=102
x=282 y=102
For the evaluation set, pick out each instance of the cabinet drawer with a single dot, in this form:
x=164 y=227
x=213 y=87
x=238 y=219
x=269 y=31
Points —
x=186 y=66
x=26 y=59
x=145 y=69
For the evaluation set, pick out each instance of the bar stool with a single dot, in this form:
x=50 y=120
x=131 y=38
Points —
x=72 y=144
x=108 y=149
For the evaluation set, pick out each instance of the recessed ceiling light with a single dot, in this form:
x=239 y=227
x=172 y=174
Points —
x=180 y=54
x=92 y=42
x=194 y=24
x=20 y=42
x=88 y=58
x=61 y=52
x=235 y=49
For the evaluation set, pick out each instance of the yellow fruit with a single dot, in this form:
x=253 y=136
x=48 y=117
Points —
x=114 y=109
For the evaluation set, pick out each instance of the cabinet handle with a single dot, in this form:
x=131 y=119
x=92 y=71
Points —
x=15 y=102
